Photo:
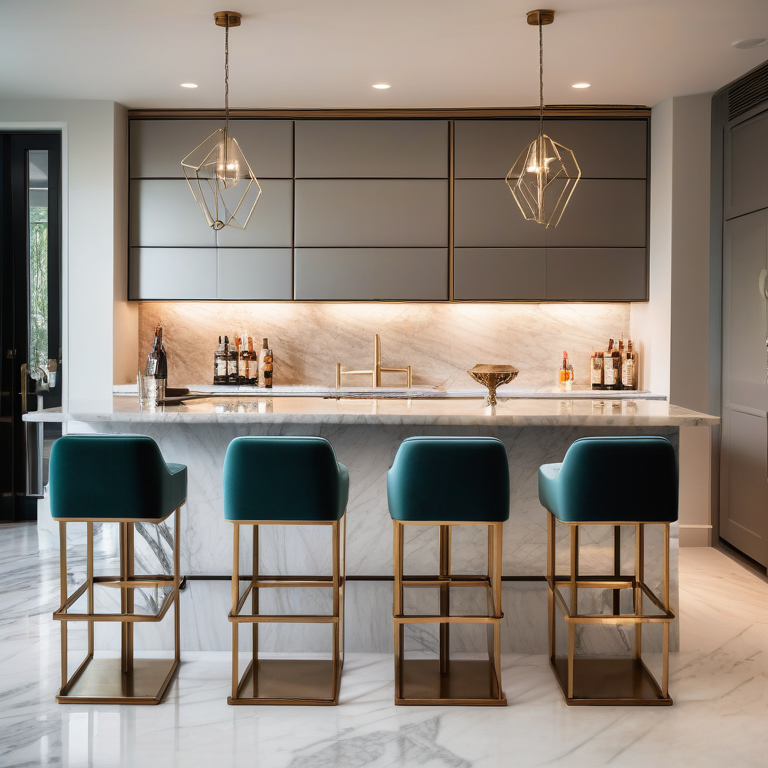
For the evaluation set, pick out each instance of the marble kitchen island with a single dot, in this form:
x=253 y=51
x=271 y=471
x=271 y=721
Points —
x=365 y=434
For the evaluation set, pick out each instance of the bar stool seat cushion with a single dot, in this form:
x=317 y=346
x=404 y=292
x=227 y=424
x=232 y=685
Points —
x=449 y=479
x=612 y=479
x=107 y=477
x=284 y=478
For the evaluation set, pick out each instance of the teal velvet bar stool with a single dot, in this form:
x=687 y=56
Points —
x=291 y=481
x=581 y=491
x=119 y=479
x=448 y=481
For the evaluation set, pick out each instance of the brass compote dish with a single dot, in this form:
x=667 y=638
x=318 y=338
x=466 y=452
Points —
x=493 y=376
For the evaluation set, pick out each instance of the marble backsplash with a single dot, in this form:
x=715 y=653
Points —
x=440 y=341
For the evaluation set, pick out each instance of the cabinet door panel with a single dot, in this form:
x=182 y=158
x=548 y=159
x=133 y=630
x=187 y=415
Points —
x=596 y=274
x=745 y=522
x=370 y=274
x=159 y=146
x=487 y=216
x=603 y=213
x=500 y=274
x=172 y=273
x=372 y=148
x=745 y=253
x=164 y=213
x=371 y=213
x=271 y=225
x=603 y=148
x=746 y=167
x=255 y=274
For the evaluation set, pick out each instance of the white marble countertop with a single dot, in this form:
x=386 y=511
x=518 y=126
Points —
x=512 y=412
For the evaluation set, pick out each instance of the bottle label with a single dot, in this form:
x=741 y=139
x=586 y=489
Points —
x=628 y=374
x=610 y=372
x=597 y=371
x=221 y=367
x=151 y=367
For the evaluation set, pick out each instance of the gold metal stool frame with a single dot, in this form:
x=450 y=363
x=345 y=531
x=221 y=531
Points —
x=609 y=681
x=126 y=680
x=442 y=681
x=288 y=681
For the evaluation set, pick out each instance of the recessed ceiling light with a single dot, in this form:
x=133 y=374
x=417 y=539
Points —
x=753 y=42
x=189 y=85
x=382 y=86
x=581 y=85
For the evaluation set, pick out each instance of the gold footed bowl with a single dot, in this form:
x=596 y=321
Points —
x=493 y=376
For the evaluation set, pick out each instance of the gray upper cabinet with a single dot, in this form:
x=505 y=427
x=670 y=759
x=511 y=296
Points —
x=371 y=213
x=597 y=274
x=604 y=149
x=255 y=273
x=157 y=147
x=371 y=274
x=271 y=225
x=372 y=149
x=164 y=213
x=746 y=167
x=172 y=273
x=499 y=274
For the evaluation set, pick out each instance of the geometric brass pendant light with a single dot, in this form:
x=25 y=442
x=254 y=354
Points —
x=217 y=172
x=546 y=173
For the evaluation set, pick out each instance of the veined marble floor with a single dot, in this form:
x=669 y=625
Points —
x=719 y=682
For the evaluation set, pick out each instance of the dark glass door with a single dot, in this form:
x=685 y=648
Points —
x=30 y=312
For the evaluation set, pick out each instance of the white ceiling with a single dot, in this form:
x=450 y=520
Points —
x=328 y=53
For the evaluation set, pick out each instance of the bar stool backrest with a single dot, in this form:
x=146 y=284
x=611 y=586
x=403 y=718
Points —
x=283 y=478
x=637 y=475
x=449 y=479
x=105 y=477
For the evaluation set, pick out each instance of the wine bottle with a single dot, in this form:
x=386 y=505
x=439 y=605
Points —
x=265 y=365
x=231 y=353
x=253 y=364
x=220 y=364
x=157 y=362
x=596 y=366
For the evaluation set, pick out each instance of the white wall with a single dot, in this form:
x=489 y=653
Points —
x=94 y=149
x=673 y=325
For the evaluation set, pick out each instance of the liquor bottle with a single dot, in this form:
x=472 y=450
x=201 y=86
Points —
x=566 y=374
x=265 y=365
x=231 y=351
x=618 y=353
x=253 y=364
x=242 y=358
x=157 y=362
x=596 y=369
x=220 y=364
x=620 y=371
x=629 y=371
x=609 y=369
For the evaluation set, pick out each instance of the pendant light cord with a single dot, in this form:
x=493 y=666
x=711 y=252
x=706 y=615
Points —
x=541 y=78
x=226 y=77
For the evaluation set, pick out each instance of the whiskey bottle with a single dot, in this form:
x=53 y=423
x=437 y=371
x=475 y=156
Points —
x=220 y=364
x=242 y=358
x=629 y=369
x=157 y=362
x=620 y=369
x=609 y=369
x=253 y=364
x=231 y=352
x=265 y=365
x=596 y=369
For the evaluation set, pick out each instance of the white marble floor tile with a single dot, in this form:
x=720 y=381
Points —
x=719 y=683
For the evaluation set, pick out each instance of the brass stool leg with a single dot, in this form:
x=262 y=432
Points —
x=444 y=543
x=235 y=601
x=398 y=606
x=552 y=581
x=617 y=568
x=665 y=626
x=495 y=656
x=177 y=582
x=639 y=579
x=574 y=607
x=64 y=597
x=255 y=608
x=129 y=597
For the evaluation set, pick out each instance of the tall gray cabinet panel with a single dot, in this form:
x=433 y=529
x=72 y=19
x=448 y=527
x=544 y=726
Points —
x=372 y=149
x=371 y=274
x=744 y=474
x=157 y=147
x=372 y=213
x=746 y=167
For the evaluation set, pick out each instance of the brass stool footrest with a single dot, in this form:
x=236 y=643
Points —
x=288 y=681
x=466 y=683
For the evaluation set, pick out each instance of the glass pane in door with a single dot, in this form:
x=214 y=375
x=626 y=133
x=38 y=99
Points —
x=38 y=260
